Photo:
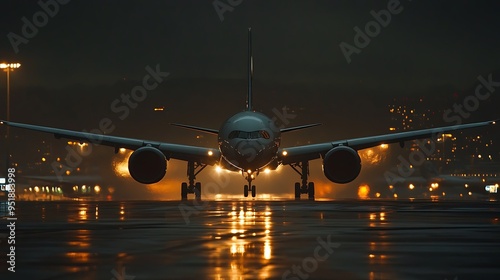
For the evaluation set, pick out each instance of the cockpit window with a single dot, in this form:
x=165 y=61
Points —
x=264 y=134
x=249 y=135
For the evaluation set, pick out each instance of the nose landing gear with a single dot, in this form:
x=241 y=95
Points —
x=249 y=188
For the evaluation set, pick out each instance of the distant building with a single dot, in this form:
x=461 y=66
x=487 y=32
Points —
x=452 y=150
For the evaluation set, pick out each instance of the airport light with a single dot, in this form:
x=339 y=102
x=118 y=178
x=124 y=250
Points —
x=8 y=67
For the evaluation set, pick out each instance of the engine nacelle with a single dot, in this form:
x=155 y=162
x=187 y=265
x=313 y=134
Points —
x=147 y=165
x=341 y=164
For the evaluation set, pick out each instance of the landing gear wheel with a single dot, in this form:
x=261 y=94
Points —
x=245 y=191
x=184 y=191
x=197 y=190
x=193 y=169
x=297 y=190
x=310 y=190
x=254 y=192
x=302 y=168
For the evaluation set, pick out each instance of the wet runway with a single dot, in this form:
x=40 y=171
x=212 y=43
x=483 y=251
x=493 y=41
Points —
x=247 y=239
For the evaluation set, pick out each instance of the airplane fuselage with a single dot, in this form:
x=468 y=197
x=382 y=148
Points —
x=249 y=141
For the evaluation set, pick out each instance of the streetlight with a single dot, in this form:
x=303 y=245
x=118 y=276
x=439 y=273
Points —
x=8 y=67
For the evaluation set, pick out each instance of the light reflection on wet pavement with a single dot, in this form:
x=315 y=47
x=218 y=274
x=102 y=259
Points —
x=255 y=240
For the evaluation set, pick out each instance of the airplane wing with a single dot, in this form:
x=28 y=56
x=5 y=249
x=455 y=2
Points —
x=314 y=151
x=171 y=151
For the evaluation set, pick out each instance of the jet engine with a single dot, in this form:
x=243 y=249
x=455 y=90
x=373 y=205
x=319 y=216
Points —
x=341 y=164
x=147 y=165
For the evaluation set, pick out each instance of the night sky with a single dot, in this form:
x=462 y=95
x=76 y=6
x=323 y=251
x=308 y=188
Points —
x=90 y=52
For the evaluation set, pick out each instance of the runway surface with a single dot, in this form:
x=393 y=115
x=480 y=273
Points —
x=247 y=239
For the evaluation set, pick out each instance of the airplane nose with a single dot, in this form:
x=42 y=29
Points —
x=249 y=150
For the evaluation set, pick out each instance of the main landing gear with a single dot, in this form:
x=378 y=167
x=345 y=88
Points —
x=302 y=168
x=249 y=188
x=193 y=169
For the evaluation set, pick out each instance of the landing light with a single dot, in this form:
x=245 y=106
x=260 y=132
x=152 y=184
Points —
x=491 y=188
x=284 y=153
x=210 y=153
x=249 y=171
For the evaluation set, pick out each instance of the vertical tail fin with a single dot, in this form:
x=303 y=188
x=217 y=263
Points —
x=250 y=71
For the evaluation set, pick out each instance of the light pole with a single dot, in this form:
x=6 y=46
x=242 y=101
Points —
x=8 y=67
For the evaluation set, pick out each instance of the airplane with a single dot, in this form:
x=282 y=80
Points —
x=248 y=142
x=74 y=186
x=429 y=178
